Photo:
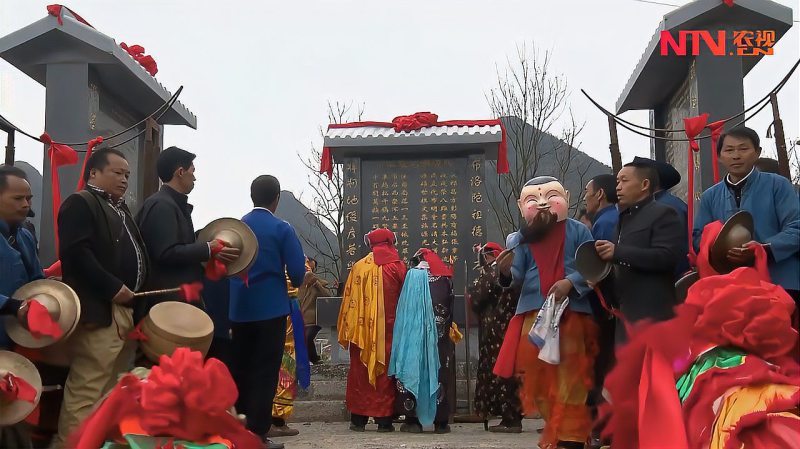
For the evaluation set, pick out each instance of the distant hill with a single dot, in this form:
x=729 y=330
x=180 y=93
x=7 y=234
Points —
x=574 y=166
x=312 y=234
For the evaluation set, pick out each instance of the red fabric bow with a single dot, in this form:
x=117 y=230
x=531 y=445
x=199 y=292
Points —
x=59 y=155
x=417 y=121
x=182 y=398
x=13 y=388
x=191 y=292
x=55 y=10
x=137 y=334
x=40 y=323
x=414 y=121
x=215 y=269
x=716 y=131
x=729 y=3
x=146 y=61
x=89 y=149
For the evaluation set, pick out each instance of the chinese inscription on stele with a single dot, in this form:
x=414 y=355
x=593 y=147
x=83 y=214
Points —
x=433 y=203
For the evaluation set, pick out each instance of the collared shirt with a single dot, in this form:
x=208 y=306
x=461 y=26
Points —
x=737 y=187
x=605 y=223
x=117 y=206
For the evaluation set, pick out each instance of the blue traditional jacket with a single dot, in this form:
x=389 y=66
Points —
x=17 y=268
x=774 y=205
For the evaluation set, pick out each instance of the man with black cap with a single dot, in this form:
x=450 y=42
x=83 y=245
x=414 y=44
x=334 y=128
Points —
x=165 y=222
x=668 y=178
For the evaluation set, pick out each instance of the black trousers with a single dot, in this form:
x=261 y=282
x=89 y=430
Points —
x=361 y=420
x=257 y=350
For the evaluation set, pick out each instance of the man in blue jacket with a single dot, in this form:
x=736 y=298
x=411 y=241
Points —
x=600 y=197
x=19 y=263
x=258 y=308
x=770 y=199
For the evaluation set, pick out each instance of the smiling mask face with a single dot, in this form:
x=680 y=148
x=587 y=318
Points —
x=543 y=203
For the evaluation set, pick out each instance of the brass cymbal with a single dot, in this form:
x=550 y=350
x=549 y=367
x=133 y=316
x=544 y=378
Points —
x=737 y=231
x=589 y=264
x=236 y=234
x=59 y=299
x=14 y=412
x=683 y=284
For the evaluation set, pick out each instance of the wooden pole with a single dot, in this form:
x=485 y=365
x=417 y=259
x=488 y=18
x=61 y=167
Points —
x=10 y=147
x=616 y=156
x=780 y=140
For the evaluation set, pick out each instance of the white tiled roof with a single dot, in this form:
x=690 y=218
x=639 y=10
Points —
x=375 y=135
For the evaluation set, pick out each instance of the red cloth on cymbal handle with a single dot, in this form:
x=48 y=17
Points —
x=13 y=388
x=191 y=292
x=40 y=323
x=53 y=270
x=136 y=334
x=215 y=269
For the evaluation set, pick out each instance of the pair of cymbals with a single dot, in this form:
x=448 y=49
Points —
x=60 y=301
x=14 y=411
x=236 y=234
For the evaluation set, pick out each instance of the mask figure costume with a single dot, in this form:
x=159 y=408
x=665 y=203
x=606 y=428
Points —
x=424 y=341
x=366 y=322
x=543 y=265
x=727 y=376
x=495 y=306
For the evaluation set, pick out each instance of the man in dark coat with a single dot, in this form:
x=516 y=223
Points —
x=165 y=221
x=647 y=249
x=103 y=259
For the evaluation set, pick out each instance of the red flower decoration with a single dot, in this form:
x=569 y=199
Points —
x=414 y=121
x=146 y=61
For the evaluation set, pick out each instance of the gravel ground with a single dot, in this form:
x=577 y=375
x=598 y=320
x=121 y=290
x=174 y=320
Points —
x=463 y=436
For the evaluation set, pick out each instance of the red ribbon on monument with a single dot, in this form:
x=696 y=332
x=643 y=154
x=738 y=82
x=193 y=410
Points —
x=60 y=155
x=146 y=61
x=415 y=122
x=693 y=126
x=56 y=10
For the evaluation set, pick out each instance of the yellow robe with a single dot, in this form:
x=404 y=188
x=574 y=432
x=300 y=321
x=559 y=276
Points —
x=362 y=317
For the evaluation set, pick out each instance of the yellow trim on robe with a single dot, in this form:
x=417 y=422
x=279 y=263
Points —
x=362 y=316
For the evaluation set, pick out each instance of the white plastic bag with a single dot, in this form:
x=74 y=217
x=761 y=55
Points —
x=538 y=332
x=550 y=352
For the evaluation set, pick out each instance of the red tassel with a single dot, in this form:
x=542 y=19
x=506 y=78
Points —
x=716 y=131
x=89 y=148
x=13 y=388
x=693 y=127
x=326 y=164
x=60 y=155
x=502 y=151
x=40 y=323
x=191 y=292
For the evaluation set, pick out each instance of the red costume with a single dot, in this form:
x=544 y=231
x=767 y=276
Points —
x=364 y=398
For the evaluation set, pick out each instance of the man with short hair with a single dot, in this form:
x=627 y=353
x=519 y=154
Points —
x=165 y=221
x=103 y=259
x=259 y=307
x=647 y=249
x=19 y=263
x=18 y=266
x=601 y=204
x=770 y=199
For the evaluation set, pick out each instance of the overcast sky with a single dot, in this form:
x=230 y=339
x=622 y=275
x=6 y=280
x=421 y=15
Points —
x=258 y=75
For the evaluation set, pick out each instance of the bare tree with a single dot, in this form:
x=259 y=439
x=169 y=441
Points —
x=794 y=161
x=327 y=202
x=531 y=100
x=569 y=164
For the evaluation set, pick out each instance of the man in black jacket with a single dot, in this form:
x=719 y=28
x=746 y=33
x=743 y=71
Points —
x=104 y=260
x=165 y=221
x=648 y=248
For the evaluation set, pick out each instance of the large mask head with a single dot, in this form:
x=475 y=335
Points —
x=543 y=202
